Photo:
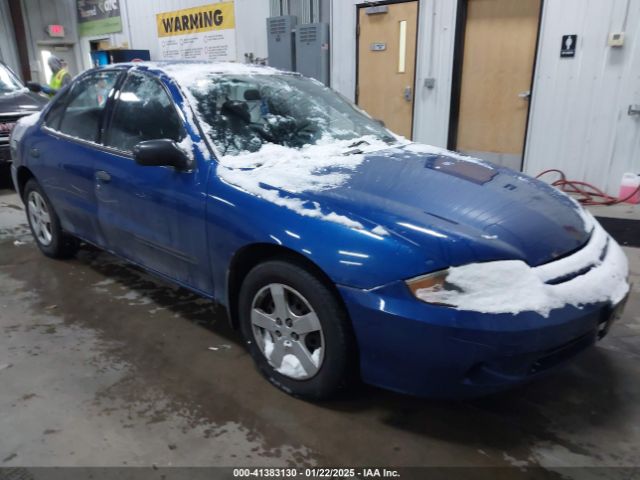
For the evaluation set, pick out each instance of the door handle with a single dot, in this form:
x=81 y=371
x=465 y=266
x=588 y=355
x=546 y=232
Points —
x=34 y=152
x=103 y=176
x=634 y=110
x=407 y=93
x=525 y=95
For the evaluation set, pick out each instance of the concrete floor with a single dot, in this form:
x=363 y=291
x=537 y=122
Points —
x=101 y=364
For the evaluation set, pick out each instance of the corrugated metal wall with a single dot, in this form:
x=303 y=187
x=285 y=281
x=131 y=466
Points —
x=8 y=52
x=579 y=121
x=436 y=32
x=307 y=11
x=37 y=15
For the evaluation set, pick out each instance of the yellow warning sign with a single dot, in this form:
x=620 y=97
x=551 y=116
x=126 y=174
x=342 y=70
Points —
x=208 y=18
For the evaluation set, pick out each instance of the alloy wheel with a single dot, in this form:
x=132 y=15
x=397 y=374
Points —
x=39 y=218
x=288 y=331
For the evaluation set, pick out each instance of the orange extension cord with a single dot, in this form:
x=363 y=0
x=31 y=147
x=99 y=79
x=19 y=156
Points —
x=589 y=195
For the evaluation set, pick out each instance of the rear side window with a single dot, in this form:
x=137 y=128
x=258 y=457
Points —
x=143 y=111
x=85 y=104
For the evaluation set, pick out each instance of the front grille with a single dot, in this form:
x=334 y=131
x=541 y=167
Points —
x=582 y=271
x=555 y=356
x=7 y=122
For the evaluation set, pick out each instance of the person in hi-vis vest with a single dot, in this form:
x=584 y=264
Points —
x=59 y=76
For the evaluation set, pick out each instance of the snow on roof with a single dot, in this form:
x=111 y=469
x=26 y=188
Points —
x=186 y=73
x=274 y=170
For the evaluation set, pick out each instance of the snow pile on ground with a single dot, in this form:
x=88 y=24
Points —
x=511 y=286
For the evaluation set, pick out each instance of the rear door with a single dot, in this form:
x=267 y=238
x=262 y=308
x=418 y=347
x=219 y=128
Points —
x=151 y=215
x=62 y=153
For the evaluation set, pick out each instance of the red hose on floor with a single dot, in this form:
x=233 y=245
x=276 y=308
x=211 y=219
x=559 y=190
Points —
x=589 y=195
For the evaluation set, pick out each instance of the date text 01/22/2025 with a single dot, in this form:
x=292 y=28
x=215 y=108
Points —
x=315 y=473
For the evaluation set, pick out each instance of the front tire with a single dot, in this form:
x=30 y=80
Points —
x=45 y=225
x=296 y=330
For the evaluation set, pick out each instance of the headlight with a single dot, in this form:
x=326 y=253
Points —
x=432 y=282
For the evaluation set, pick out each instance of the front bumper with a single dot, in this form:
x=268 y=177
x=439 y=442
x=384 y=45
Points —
x=435 y=351
x=432 y=350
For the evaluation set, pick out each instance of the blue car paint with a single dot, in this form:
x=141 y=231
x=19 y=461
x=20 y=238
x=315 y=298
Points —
x=154 y=216
x=187 y=226
x=435 y=351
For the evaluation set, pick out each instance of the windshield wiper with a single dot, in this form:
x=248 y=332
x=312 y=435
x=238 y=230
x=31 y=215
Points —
x=358 y=143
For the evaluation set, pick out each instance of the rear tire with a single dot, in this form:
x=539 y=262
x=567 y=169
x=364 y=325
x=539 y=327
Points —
x=303 y=346
x=45 y=224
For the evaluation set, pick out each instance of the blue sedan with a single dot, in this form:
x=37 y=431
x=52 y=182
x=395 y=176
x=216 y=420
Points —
x=340 y=250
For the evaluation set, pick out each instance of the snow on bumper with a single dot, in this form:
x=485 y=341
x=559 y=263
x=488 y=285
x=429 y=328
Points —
x=596 y=273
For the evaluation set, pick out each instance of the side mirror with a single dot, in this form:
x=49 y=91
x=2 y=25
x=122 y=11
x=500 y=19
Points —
x=35 y=87
x=162 y=152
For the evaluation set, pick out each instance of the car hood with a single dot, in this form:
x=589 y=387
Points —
x=460 y=209
x=22 y=101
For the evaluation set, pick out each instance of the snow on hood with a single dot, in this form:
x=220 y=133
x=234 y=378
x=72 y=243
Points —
x=511 y=286
x=423 y=149
x=274 y=170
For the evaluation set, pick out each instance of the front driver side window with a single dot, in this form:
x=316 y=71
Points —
x=84 y=105
x=144 y=111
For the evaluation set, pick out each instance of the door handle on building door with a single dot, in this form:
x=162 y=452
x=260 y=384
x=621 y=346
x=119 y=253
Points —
x=407 y=93
x=525 y=95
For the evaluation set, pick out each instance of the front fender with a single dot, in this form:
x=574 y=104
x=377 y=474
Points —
x=350 y=256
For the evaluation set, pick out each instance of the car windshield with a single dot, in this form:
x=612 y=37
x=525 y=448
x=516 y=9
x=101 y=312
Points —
x=244 y=112
x=9 y=83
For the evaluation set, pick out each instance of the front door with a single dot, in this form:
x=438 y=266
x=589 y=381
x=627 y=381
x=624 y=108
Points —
x=500 y=40
x=386 y=63
x=152 y=215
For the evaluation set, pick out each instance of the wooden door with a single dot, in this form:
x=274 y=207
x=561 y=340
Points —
x=387 y=62
x=499 y=54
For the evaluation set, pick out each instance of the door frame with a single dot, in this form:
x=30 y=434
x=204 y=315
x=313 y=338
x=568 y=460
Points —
x=366 y=4
x=456 y=78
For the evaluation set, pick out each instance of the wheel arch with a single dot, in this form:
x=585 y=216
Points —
x=252 y=255
x=23 y=176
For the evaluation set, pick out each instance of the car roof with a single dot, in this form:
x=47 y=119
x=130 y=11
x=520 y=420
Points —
x=220 y=67
x=183 y=69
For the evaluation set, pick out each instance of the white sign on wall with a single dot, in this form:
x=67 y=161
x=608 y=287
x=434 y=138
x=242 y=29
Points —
x=199 y=33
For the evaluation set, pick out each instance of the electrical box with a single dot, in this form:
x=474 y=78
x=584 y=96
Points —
x=312 y=51
x=280 y=42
